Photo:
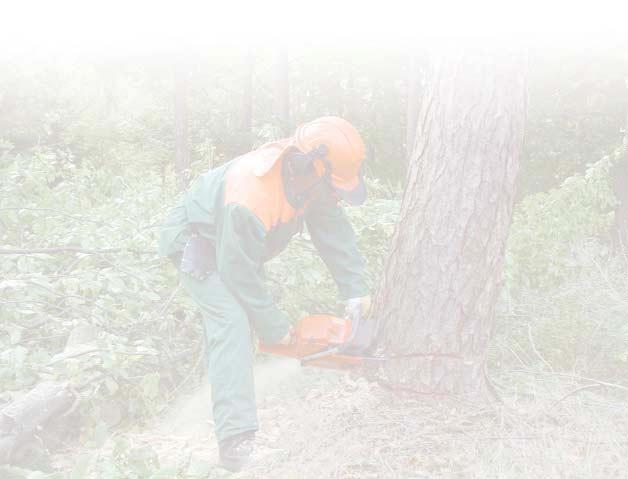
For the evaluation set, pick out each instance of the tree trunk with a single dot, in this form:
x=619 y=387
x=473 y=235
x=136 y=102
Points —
x=247 y=99
x=435 y=304
x=283 y=92
x=181 y=128
x=412 y=111
x=350 y=98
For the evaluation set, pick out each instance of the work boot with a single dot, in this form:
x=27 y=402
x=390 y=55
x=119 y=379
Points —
x=236 y=451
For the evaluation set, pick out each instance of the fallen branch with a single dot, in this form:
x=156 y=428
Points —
x=21 y=420
x=75 y=354
x=72 y=249
x=53 y=210
x=536 y=351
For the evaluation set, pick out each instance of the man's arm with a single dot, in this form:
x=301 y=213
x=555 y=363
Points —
x=335 y=240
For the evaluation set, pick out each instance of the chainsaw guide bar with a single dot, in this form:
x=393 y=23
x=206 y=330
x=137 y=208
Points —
x=329 y=342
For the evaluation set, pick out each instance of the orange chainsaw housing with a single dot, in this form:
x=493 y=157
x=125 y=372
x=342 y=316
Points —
x=317 y=334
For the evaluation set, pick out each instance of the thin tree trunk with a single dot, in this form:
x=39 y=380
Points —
x=350 y=108
x=247 y=99
x=443 y=274
x=413 y=103
x=283 y=92
x=181 y=125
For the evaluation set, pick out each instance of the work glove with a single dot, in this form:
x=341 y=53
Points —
x=357 y=307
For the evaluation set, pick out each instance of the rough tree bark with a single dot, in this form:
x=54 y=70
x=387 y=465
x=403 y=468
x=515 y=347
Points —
x=443 y=273
x=181 y=128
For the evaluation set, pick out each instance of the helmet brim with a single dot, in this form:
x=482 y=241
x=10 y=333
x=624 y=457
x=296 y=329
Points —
x=355 y=195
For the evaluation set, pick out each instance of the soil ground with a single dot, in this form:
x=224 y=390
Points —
x=329 y=424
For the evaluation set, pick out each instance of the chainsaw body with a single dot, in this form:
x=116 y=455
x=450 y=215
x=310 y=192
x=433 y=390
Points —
x=328 y=341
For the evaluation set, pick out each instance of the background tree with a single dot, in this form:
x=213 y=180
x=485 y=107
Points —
x=412 y=110
x=443 y=273
x=181 y=124
x=247 y=97
x=283 y=92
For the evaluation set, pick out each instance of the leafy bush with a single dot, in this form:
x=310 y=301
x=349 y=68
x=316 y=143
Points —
x=548 y=227
x=564 y=305
x=109 y=321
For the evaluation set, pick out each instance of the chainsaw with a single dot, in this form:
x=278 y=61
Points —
x=330 y=342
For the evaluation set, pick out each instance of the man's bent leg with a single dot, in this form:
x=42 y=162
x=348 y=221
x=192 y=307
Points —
x=230 y=355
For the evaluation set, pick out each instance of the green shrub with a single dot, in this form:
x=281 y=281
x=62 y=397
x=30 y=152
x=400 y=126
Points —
x=547 y=228
x=144 y=340
x=565 y=301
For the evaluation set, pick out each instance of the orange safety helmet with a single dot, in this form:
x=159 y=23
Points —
x=345 y=153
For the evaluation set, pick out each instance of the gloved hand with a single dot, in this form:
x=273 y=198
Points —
x=358 y=307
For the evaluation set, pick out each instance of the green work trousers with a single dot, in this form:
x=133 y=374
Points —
x=230 y=355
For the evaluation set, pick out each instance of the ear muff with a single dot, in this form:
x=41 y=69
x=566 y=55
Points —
x=298 y=166
x=302 y=164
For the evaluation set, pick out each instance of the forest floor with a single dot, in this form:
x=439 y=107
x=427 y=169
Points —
x=328 y=424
